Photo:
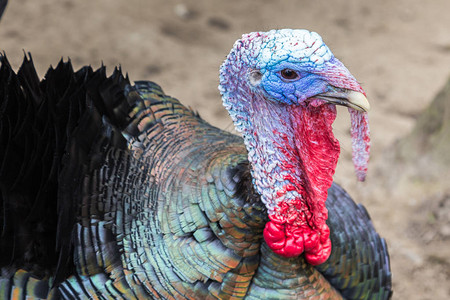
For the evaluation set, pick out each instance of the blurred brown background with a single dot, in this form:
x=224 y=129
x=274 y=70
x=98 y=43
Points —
x=399 y=50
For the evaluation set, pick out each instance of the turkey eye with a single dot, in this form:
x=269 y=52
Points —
x=289 y=74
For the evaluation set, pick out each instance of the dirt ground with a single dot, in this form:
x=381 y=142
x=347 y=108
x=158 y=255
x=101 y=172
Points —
x=399 y=50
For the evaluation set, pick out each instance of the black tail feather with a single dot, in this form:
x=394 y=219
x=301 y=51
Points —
x=50 y=132
x=3 y=4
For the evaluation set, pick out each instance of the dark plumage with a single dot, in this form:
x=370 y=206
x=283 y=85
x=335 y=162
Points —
x=3 y=4
x=112 y=190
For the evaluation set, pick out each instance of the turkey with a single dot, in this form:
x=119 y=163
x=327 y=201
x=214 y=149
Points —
x=114 y=190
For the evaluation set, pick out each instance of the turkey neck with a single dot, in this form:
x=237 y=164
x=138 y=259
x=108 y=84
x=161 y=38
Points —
x=293 y=154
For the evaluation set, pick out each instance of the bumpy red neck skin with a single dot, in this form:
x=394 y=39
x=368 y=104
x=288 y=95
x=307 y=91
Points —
x=308 y=158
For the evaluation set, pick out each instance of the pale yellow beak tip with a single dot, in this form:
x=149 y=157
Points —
x=358 y=99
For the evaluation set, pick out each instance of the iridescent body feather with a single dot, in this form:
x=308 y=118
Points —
x=111 y=190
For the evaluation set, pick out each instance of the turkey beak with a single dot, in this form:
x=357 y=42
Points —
x=344 y=97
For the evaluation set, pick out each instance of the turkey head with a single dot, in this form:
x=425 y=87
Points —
x=285 y=109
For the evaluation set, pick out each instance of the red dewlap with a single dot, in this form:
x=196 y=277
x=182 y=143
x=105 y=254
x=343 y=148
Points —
x=299 y=222
x=289 y=240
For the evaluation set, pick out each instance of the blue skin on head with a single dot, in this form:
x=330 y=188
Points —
x=310 y=82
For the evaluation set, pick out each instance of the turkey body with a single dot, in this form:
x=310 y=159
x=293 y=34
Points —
x=115 y=190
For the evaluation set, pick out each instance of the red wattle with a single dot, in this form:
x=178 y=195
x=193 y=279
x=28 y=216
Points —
x=290 y=240
x=298 y=224
x=322 y=254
